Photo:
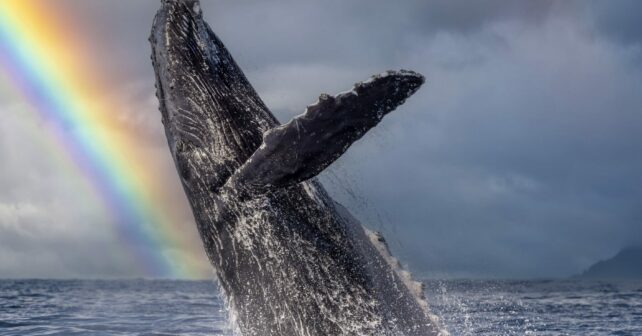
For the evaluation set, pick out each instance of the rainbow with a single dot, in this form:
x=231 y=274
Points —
x=42 y=60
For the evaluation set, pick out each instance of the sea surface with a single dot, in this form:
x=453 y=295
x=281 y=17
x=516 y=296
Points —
x=166 y=307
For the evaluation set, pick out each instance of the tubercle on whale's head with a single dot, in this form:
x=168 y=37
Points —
x=190 y=4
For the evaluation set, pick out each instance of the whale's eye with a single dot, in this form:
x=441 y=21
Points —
x=183 y=169
x=182 y=160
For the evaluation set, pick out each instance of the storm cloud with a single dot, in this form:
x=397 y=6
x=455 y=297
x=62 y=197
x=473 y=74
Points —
x=520 y=157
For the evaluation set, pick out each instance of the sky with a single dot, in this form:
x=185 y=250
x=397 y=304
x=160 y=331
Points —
x=519 y=158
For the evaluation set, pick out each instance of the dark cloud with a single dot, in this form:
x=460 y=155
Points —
x=519 y=163
x=618 y=19
x=519 y=158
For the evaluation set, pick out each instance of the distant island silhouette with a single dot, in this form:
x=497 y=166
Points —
x=627 y=264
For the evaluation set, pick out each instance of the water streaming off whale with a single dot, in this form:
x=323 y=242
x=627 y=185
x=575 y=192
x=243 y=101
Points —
x=289 y=259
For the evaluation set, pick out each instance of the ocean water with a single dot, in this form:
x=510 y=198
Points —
x=538 y=307
x=164 y=307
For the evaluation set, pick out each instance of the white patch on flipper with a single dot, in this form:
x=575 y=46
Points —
x=415 y=288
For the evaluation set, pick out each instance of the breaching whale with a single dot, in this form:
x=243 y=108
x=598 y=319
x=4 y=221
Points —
x=289 y=259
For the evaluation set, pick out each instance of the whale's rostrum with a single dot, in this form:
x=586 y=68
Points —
x=289 y=259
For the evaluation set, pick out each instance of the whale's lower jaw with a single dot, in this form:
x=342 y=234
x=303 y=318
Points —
x=289 y=259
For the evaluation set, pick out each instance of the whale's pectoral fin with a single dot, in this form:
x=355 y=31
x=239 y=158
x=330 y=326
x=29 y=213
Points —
x=302 y=148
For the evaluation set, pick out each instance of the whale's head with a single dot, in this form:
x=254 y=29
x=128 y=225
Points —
x=213 y=118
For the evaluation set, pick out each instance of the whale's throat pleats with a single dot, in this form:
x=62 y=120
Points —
x=211 y=112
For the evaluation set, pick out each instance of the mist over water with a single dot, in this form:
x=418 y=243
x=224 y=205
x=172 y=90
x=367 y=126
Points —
x=166 y=307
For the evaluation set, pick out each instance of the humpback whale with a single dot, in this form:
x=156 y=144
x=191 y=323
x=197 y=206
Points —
x=289 y=259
